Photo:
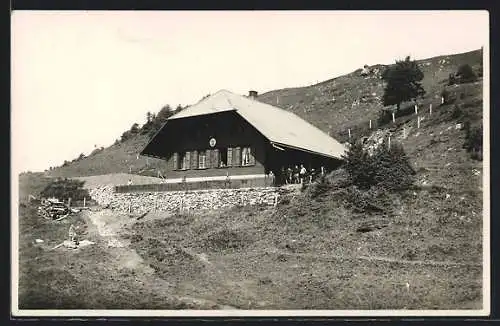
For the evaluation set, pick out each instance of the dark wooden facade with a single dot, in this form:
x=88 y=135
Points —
x=190 y=137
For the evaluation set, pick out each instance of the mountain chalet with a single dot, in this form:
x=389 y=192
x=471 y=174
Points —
x=229 y=136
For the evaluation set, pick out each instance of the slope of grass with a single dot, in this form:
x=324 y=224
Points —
x=118 y=158
x=306 y=253
x=327 y=105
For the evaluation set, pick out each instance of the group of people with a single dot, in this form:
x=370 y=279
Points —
x=299 y=174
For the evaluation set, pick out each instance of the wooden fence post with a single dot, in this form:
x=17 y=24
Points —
x=416 y=109
x=349 y=131
x=418 y=122
x=84 y=201
x=430 y=109
x=393 y=117
x=370 y=123
x=69 y=202
x=389 y=142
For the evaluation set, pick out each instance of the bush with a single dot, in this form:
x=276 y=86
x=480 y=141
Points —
x=452 y=80
x=388 y=168
x=65 y=188
x=359 y=165
x=466 y=74
x=392 y=168
x=474 y=141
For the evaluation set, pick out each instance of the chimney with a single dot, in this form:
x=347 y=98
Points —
x=252 y=95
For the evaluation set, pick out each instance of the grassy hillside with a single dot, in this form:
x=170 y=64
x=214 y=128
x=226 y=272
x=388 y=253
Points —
x=334 y=105
x=309 y=252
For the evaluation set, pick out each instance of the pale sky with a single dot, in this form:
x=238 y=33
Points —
x=80 y=79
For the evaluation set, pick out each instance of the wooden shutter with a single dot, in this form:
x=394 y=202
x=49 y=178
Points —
x=251 y=156
x=208 y=159
x=229 y=156
x=216 y=158
x=237 y=156
x=176 y=161
x=194 y=160
x=188 y=160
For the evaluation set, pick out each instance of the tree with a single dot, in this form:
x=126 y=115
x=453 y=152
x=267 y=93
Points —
x=358 y=165
x=134 y=129
x=402 y=82
x=178 y=109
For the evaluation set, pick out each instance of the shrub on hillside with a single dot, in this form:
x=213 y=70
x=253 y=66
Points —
x=474 y=141
x=392 y=168
x=359 y=165
x=452 y=79
x=65 y=188
x=134 y=130
x=466 y=74
x=387 y=168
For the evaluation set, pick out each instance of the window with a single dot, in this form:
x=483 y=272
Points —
x=247 y=156
x=223 y=162
x=184 y=161
x=202 y=158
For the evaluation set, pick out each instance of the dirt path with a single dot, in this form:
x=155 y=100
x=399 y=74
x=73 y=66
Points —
x=106 y=225
x=367 y=258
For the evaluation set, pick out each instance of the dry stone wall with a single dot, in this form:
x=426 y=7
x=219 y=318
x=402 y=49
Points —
x=172 y=201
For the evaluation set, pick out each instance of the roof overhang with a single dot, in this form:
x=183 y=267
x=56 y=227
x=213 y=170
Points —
x=281 y=145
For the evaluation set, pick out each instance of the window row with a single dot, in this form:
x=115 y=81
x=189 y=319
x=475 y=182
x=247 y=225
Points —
x=214 y=158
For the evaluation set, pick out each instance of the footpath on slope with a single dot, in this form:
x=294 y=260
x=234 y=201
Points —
x=107 y=225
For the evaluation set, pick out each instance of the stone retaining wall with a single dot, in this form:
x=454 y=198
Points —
x=191 y=200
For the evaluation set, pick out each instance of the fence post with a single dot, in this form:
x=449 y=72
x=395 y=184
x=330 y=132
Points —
x=84 y=201
x=404 y=132
x=416 y=109
x=393 y=117
x=370 y=123
x=69 y=202
x=430 y=109
x=349 y=131
x=418 y=122
x=389 y=142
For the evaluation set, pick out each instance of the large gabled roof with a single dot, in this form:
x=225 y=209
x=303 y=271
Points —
x=277 y=125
